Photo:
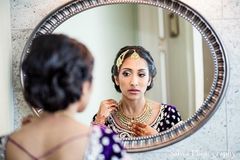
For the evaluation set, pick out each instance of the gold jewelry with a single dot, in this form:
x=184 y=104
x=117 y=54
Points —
x=142 y=118
x=135 y=55
x=120 y=59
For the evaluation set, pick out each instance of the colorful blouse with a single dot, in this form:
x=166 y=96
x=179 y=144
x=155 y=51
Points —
x=167 y=118
x=103 y=144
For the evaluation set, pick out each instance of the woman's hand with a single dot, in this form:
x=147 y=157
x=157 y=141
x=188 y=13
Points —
x=141 y=129
x=106 y=107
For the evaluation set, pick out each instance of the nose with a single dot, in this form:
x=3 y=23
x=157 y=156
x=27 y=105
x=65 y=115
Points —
x=134 y=81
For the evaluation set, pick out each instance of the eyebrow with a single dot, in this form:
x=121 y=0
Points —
x=131 y=69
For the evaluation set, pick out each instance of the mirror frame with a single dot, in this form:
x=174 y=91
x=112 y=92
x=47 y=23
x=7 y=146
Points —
x=220 y=80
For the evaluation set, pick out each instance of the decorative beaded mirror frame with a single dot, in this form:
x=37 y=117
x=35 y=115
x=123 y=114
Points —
x=210 y=104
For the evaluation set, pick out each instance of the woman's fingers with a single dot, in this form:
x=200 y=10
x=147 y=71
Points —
x=142 y=129
x=113 y=108
x=107 y=106
x=138 y=124
x=111 y=103
x=138 y=131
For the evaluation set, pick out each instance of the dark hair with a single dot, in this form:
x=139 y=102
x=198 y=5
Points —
x=54 y=71
x=143 y=53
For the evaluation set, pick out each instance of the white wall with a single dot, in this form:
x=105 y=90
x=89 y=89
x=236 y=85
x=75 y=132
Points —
x=180 y=68
x=6 y=113
x=104 y=30
x=148 y=37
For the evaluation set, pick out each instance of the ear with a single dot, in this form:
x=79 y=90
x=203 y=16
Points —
x=86 y=91
x=116 y=80
x=87 y=87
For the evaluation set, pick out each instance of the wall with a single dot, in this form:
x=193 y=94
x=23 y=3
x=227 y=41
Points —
x=219 y=138
x=113 y=31
x=180 y=64
x=6 y=114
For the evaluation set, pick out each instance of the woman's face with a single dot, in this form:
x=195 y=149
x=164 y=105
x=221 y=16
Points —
x=133 y=78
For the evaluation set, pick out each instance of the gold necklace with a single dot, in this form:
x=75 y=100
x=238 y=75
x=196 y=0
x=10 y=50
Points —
x=142 y=118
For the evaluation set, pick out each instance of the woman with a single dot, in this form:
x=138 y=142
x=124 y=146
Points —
x=58 y=78
x=133 y=72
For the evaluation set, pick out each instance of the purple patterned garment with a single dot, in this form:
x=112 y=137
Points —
x=168 y=116
x=103 y=144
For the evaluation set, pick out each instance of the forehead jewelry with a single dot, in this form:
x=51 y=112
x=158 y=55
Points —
x=120 y=59
x=135 y=55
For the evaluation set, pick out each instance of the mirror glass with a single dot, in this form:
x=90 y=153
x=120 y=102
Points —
x=185 y=67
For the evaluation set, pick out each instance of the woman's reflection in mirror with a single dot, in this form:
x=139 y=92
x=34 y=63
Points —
x=134 y=115
x=58 y=73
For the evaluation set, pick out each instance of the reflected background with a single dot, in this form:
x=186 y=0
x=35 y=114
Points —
x=183 y=60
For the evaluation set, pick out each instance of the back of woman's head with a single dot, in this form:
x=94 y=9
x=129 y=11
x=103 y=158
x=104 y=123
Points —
x=54 y=72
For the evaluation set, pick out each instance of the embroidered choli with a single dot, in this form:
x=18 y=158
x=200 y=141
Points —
x=167 y=117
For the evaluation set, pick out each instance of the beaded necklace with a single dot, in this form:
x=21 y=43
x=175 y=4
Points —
x=127 y=121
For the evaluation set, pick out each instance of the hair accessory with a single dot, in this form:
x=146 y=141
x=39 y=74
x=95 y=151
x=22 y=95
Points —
x=135 y=55
x=120 y=59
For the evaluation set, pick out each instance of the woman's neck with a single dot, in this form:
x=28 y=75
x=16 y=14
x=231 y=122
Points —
x=133 y=107
x=69 y=112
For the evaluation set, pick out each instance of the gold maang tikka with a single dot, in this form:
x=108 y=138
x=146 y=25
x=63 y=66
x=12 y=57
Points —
x=135 y=55
x=120 y=59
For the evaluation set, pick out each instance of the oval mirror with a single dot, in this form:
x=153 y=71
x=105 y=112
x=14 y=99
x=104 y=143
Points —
x=190 y=59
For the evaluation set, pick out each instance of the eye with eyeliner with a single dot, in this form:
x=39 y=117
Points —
x=141 y=75
x=126 y=73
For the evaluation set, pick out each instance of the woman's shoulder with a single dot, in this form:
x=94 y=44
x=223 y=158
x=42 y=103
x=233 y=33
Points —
x=165 y=109
x=168 y=107
x=170 y=112
x=154 y=104
x=162 y=106
x=167 y=117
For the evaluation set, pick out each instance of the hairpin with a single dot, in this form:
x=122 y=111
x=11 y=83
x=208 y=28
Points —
x=120 y=59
